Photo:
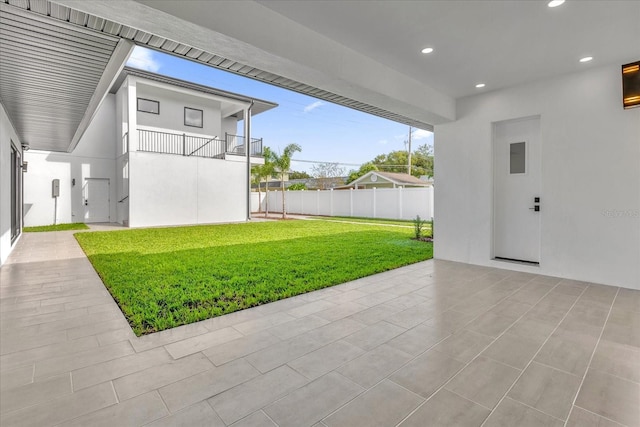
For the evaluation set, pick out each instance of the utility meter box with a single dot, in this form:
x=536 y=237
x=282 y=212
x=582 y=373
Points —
x=55 y=188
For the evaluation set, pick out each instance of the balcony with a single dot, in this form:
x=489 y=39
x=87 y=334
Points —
x=187 y=145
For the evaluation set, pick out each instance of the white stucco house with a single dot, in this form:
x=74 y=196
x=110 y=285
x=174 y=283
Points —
x=159 y=151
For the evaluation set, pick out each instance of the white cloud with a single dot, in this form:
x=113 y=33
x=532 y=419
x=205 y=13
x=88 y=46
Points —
x=144 y=59
x=422 y=134
x=383 y=142
x=313 y=106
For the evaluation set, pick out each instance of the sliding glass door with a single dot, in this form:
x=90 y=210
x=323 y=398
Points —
x=16 y=193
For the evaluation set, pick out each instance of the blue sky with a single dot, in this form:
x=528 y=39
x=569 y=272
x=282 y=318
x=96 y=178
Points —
x=326 y=132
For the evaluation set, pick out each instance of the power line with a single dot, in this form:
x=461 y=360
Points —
x=323 y=161
x=352 y=164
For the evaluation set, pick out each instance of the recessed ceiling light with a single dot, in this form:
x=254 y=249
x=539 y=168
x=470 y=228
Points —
x=427 y=50
x=586 y=59
x=480 y=85
x=555 y=3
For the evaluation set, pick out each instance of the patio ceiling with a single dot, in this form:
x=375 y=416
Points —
x=366 y=58
x=57 y=63
x=53 y=74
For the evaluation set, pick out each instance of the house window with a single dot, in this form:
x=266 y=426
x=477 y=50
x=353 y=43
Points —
x=148 y=106
x=192 y=117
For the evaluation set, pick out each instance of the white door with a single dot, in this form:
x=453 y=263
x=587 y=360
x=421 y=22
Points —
x=517 y=201
x=96 y=200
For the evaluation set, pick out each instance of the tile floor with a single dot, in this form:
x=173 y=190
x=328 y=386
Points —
x=433 y=344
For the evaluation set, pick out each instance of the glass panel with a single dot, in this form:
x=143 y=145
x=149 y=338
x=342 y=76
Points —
x=192 y=117
x=517 y=157
x=148 y=106
x=16 y=193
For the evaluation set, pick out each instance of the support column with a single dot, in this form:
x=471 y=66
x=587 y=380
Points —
x=132 y=113
x=131 y=119
x=247 y=149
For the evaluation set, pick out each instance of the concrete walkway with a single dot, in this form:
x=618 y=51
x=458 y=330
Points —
x=435 y=343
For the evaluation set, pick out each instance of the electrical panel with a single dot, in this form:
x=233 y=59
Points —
x=55 y=188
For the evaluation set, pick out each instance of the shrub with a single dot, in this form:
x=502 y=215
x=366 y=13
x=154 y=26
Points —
x=432 y=228
x=418 y=225
x=297 y=186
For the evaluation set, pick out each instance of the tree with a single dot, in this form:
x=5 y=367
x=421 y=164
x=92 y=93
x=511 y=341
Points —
x=264 y=172
x=422 y=161
x=364 y=169
x=297 y=186
x=282 y=162
x=298 y=175
x=256 y=179
x=396 y=161
x=327 y=174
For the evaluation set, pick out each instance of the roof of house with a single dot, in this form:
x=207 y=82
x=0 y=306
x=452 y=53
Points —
x=259 y=105
x=401 y=178
x=393 y=177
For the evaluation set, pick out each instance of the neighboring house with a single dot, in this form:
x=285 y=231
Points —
x=159 y=151
x=311 y=183
x=376 y=179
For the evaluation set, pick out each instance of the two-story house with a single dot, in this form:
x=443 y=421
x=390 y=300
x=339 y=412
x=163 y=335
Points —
x=158 y=151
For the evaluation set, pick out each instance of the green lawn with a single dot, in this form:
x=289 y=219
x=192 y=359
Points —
x=383 y=221
x=165 y=277
x=57 y=227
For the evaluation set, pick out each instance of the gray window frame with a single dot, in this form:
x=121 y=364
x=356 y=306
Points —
x=148 y=100
x=201 y=117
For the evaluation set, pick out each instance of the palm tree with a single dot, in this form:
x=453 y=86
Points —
x=256 y=178
x=267 y=170
x=282 y=163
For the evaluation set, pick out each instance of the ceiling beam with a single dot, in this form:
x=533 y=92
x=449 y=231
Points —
x=111 y=72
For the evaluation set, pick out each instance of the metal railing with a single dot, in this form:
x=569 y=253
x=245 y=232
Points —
x=235 y=145
x=185 y=145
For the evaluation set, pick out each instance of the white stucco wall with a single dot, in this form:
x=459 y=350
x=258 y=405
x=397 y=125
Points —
x=590 y=177
x=172 y=106
x=230 y=126
x=7 y=134
x=122 y=155
x=172 y=190
x=94 y=157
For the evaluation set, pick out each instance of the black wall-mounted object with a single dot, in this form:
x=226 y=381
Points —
x=631 y=85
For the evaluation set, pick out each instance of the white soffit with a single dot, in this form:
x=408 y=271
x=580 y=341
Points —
x=51 y=72
x=501 y=43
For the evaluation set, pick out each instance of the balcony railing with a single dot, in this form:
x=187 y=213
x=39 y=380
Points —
x=235 y=145
x=186 y=145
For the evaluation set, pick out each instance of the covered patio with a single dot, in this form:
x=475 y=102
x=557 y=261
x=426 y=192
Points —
x=435 y=343
x=479 y=336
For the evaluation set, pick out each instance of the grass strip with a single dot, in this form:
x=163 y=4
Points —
x=56 y=227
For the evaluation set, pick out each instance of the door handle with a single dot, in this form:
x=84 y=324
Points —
x=535 y=208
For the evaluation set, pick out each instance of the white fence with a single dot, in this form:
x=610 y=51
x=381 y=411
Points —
x=393 y=203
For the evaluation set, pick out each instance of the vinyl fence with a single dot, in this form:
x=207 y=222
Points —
x=392 y=203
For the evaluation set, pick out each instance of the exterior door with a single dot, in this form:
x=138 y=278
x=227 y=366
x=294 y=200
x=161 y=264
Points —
x=96 y=200
x=517 y=200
